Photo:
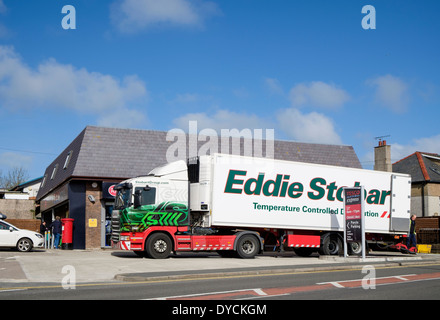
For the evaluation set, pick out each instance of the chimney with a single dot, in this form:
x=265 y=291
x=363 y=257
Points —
x=382 y=157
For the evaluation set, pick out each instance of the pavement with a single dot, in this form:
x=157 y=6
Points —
x=90 y=266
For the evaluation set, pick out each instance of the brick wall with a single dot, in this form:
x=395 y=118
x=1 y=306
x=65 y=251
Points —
x=428 y=231
x=28 y=224
x=431 y=222
x=93 y=216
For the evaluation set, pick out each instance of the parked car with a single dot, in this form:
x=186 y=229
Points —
x=22 y=240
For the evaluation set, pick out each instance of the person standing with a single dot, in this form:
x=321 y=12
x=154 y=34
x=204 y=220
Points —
x=43 y=227
x=57 y=228
x=411 y=240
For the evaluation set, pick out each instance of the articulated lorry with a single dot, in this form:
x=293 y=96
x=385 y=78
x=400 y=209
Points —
x=241 y=206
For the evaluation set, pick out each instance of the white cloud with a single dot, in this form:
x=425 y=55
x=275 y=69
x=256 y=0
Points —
x=133 y=15
x=312 y=127
x=55 y=85
x=318 y=94
x=391 y=92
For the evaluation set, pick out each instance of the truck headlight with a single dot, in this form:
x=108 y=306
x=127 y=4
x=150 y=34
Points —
x=124 y=238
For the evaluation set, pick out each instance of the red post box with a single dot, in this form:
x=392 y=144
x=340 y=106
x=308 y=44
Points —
x=67 y=237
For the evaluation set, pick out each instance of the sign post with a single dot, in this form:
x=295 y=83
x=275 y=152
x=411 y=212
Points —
x=354 y=224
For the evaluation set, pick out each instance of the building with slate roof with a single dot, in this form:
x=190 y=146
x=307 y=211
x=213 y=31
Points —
x=78 y=183
x=424 y=169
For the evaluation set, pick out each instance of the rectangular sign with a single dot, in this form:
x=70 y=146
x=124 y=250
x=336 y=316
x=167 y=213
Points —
x=353 y=214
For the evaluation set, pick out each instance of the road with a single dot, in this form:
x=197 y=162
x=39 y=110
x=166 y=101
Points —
x=401 y=282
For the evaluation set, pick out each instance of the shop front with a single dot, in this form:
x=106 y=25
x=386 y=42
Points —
x=90 y=204
x=66 y=201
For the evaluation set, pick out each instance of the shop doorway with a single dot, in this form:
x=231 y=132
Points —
x=106 y=232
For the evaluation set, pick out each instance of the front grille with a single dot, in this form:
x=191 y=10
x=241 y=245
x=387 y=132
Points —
x=116 y=226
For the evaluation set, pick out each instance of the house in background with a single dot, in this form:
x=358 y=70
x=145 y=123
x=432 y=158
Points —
x=424 y=169
x=30 y=188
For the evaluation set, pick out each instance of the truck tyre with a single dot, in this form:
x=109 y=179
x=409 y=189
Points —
x=24 y=245
x=247 y=247
x=331 y=244
x=354 y=248
x=158 y=246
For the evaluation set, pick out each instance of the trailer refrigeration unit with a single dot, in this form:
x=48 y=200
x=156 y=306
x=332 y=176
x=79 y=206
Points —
x=241 y=206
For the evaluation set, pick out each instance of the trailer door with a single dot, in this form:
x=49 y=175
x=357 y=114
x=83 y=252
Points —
x=400 y=203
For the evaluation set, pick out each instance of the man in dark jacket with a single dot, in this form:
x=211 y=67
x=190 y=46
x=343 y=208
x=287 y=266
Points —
x=57 y=228
x=411 y=240
x=43 y=227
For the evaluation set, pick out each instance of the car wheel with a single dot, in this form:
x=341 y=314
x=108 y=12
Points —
x=24 y=245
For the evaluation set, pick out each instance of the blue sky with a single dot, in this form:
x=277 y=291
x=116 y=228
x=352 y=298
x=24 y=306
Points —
x=306 y=69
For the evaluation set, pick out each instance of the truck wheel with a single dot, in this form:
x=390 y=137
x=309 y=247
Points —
x=354 y=248
x=331 y=244
x=247 y=247
x=24 y=245
x=158 y=246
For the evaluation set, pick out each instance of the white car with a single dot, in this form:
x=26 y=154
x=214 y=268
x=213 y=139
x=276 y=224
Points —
x=22 y=240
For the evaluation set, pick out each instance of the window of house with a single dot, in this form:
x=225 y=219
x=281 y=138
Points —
x=54 y=172
x=66 y=163
x=44 y=181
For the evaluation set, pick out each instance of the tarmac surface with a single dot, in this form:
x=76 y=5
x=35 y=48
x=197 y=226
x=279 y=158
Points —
x=51 y=266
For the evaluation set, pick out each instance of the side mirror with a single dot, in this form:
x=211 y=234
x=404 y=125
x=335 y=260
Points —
x=137 y=199
x=11 y=229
